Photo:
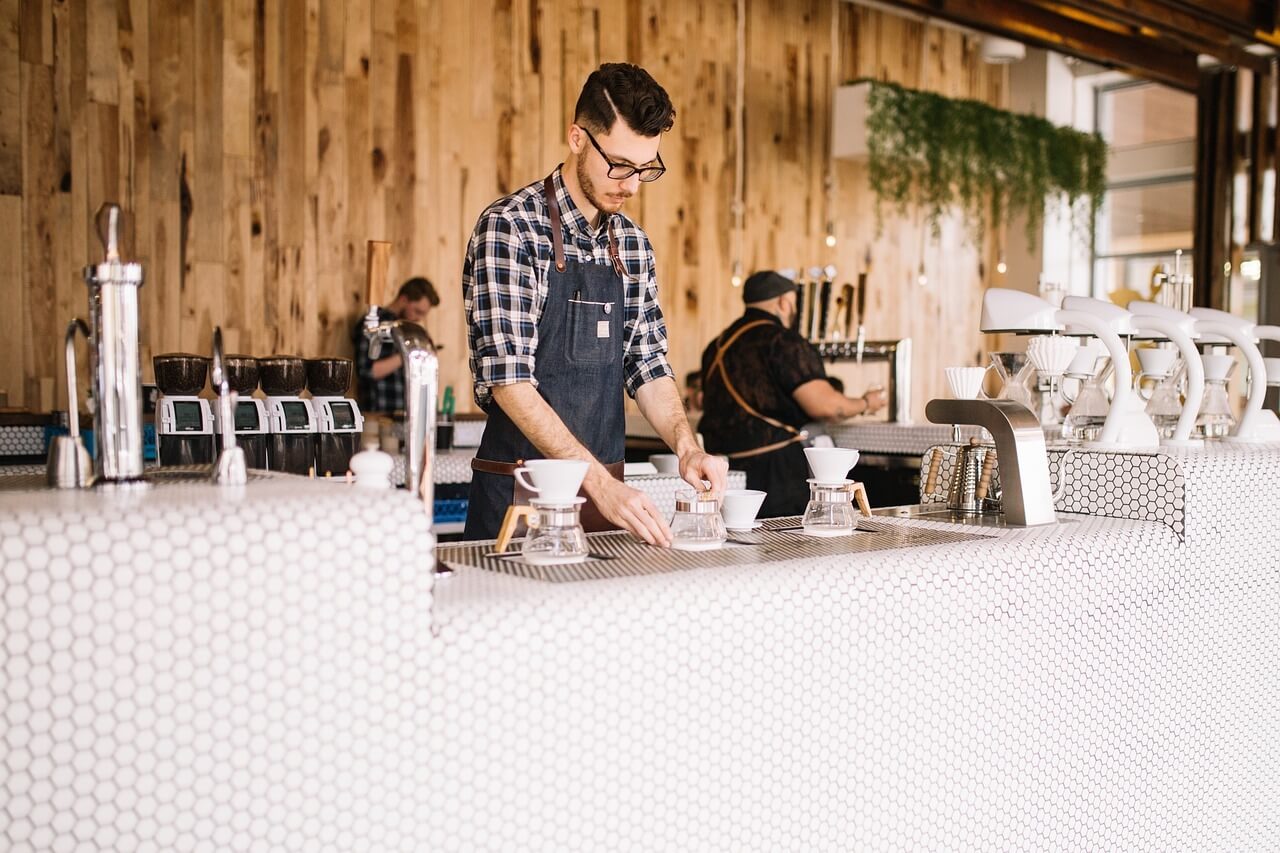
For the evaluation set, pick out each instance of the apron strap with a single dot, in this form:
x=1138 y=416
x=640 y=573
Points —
x=557 y=236
x=557 y=239
x=718 y=365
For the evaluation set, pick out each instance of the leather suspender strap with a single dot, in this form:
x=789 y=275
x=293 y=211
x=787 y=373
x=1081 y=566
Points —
x=613 y=253
x=557 y=238
x=557 y=234
x=718 y=365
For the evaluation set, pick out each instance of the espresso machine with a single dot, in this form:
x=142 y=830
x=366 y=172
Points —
x=339 y=423
x=291 y=420
x=251 y=425
x=184 y=420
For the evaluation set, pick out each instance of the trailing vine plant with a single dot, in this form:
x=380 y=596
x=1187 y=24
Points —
x=937 y=153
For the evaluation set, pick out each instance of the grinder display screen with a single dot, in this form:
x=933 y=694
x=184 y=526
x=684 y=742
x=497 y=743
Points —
x=295 y=416
x=246 y=416
x=187 y=417
x=342 y=416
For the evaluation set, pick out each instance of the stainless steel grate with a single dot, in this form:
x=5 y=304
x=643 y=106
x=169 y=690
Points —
x=616 y=555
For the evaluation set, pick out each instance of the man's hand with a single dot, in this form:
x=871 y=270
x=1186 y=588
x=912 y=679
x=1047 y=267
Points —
x=628 y=508
x=875 y=399
x=699 y=469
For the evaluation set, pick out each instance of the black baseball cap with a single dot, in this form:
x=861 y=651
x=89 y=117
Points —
x=765 y=284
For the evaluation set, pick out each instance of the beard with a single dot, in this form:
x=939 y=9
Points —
x=600 y=201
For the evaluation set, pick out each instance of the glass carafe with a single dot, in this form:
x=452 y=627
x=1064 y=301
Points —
x=1014 y=370
x=555 y=533
x=1215 y=419
x=1090 y=406
x=830 y=509
x=1164 y=406
x=697 y=524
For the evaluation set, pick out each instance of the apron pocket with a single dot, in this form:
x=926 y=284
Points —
x=593 y=333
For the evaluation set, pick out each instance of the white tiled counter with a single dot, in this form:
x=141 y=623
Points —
x=280 y=671
x=893 y=438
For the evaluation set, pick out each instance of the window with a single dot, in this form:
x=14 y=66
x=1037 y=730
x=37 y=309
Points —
x=1148 y=211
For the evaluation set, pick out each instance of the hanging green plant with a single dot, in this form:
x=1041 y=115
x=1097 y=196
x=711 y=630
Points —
x=937 y=153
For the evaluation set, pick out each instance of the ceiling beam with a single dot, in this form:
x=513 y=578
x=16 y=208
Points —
x=1034 y=25
x=1155 y=19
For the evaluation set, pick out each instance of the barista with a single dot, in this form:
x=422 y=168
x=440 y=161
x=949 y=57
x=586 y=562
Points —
x=762 y=382
x=560 y=295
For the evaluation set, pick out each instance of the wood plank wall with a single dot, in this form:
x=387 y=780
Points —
x=256 y=145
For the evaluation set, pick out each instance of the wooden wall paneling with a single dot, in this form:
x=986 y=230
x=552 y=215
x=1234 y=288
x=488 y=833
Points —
x=35 y=26
x=206 y=242
x=14 y=336
x=259 y=144
x=382 y=81
x=403 y=174
x=328 y=211
x=356 y=134
x=162 y=293
x=133 y=190
x=101 y=54
x=10 y=99
x=290 y=177
x=40 y=224
x=242 y=267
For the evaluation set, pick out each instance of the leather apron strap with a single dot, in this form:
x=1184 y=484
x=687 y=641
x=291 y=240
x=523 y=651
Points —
x=718 y=365
x=557 y=238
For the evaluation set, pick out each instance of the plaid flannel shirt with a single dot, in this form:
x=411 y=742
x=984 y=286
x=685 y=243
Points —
x=504 y=288
x=376 y=395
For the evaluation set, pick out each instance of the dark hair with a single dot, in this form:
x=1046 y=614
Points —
x=644 y=105
x=419 y=288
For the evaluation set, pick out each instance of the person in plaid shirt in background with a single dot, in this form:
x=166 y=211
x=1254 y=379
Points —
x=380 y=384
x=560 y=296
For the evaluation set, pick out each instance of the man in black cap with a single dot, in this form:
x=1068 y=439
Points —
x=762 y=382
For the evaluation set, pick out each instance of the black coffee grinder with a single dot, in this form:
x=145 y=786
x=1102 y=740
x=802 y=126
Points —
x=292 y=423
x=338 y=419
x=183 y=420
x=251 y=424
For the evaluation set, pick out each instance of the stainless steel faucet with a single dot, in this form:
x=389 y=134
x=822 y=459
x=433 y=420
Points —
x=1027 y=499
x=421 y=384
x=230 y=469
x=113 y=307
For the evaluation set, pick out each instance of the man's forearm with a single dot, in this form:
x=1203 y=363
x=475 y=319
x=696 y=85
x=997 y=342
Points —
x=534 y=417
x=845 y=408
x=384 y=367
x=659 y=402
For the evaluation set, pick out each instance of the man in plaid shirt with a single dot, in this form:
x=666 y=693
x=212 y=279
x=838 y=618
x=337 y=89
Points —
x=560 y=295
x=380 y=384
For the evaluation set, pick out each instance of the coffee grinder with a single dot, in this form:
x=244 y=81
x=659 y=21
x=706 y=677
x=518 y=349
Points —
x=338 y=419
x=184 y=421
x=251 y=424
x=291 y=421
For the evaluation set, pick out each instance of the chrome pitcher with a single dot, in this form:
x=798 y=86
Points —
x=116 y=370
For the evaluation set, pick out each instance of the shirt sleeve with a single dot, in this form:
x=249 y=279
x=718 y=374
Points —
x=364 y=364
x=795 y=362
x=646 y=356
x=500 y=291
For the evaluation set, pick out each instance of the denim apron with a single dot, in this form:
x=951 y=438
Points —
x=578 y=365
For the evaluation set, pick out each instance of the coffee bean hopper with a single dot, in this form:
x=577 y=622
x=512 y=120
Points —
x=184 y=420
x=290 y=418
x=338 y=419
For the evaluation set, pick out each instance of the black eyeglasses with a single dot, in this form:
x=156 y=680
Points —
x=622 y=171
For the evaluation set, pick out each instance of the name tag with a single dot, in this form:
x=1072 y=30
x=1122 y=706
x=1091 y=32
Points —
x=602 y=329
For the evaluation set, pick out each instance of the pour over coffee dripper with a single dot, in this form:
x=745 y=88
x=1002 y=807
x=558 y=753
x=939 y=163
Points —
x=1050 y=356
x=1014 y=370
x=1216 y=419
